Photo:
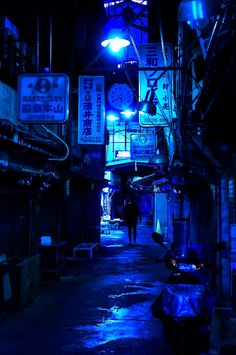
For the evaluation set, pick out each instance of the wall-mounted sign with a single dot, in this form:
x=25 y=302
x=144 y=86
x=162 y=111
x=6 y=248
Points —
x=162 y=81
x=142 y=146
x=122 y=154
x=43 y=98
x=91 y=110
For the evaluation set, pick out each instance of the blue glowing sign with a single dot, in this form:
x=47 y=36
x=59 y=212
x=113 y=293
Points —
x=142 y=146
x=91 y=110
x=153 y=76
x=43 y=98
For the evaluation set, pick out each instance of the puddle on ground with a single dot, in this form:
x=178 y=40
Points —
x=122 y=322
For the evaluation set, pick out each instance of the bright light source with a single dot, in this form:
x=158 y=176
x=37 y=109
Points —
x=115 y=34
x=128 y=113
x=112 y=117
x=123 y=154
x=115 y=44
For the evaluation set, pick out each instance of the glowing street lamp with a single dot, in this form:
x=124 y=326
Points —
x=115 y=37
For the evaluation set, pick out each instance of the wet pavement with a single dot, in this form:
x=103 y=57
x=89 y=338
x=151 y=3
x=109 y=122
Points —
x=98 y=306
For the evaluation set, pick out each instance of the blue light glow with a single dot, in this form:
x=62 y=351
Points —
x=128 y=113
x=197 y=10
x=115 y=44
x=114 y=3
x=124 y=154
x=112 y=117
x=196 y=13
x=115 y=34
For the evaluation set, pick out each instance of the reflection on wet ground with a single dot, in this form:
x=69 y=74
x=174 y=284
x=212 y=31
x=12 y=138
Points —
x=98 y=306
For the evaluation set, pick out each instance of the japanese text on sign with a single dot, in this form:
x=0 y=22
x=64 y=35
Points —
x=43 y=98
x=162 y=82
x=143 y=146
x=91 y=110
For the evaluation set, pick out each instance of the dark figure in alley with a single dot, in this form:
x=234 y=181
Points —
x=131 y=215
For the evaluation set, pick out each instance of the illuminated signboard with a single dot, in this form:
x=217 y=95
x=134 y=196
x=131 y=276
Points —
x=91 y=110
x=162 y=81
x=122 y=154
x=43 y=98
x=143 y=146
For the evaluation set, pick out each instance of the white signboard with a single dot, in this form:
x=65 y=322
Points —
x=91 y=110
x=142 y=146
x=162 y=81
x=43 y=98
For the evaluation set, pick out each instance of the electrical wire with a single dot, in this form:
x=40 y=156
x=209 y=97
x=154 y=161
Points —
x=61 y=140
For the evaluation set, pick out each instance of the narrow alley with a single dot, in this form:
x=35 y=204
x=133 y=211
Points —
x=98 y=306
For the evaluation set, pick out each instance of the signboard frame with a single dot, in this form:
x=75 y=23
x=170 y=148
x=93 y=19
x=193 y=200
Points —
x=43 y=98
x=91 y=110
x=142 y=146
x=160 y=80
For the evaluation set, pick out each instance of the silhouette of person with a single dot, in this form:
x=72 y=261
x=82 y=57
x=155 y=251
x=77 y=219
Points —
x=131 y=215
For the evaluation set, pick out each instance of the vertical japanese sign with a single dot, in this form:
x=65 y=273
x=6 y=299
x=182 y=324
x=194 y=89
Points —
x=43 y=98
x=91 y=110
x=161 y=80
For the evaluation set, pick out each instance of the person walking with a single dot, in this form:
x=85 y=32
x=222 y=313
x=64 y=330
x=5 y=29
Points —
x=131 y=215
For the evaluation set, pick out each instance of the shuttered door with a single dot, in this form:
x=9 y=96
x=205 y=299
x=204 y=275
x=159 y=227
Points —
x=198 y=206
